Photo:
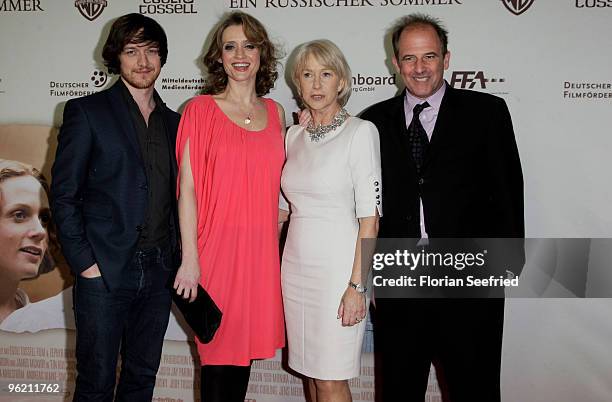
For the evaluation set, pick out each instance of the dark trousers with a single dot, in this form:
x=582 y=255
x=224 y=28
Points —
x=133 y=317
x=224 y=383
x=462 y=337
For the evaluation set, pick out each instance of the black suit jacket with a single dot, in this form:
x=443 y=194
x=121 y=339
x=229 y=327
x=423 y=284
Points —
x=99 y=187
x=471 y=184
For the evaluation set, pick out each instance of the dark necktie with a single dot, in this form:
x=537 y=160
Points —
x=417 y=137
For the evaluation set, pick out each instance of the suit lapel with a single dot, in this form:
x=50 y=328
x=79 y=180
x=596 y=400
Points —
x=123 y=118
x=442 y=127
x=169 y=127
x=398 y=121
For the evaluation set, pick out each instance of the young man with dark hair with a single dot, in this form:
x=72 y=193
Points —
x=114 y=203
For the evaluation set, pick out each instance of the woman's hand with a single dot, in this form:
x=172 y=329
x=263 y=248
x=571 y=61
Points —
x=352 y=309
x=304 y=117
x=187 y=279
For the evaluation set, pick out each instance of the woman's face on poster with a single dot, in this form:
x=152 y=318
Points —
x=24 y=215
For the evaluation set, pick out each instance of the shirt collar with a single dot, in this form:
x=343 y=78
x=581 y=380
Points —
x=159 y=103
x=435 y=100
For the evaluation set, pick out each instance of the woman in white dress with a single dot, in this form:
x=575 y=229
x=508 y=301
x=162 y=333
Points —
x=331 y=180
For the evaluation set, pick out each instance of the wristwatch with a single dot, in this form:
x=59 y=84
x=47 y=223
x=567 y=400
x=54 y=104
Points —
x=358 y=287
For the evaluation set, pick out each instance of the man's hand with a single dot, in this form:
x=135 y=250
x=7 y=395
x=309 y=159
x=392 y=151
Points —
x=91 y=272
x=187 y=279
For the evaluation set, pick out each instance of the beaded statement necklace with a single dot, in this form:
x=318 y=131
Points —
x=318 y=133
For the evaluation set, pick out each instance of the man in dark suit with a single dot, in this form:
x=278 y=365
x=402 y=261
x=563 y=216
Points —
x=114 y=204
x=450 y=169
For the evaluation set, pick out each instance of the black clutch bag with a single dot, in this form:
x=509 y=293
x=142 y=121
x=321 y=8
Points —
x=202 y=315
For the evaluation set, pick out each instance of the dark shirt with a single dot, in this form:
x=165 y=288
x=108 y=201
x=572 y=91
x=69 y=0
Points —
x=155 y=152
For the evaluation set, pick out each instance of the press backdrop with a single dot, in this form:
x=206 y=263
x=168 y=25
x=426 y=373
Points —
x=549 y=59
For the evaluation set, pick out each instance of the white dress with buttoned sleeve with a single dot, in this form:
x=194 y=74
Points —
x=329 y=184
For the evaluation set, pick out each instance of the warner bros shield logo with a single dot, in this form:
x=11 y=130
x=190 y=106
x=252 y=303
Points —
x=517 y=7
x=90 y=9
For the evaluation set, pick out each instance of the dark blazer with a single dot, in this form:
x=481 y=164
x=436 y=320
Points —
x=99 y=186
x=471 y=184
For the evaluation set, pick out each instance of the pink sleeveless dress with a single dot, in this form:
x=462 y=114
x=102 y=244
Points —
x=237 y=174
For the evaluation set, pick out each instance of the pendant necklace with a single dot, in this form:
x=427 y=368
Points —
x=248 y=119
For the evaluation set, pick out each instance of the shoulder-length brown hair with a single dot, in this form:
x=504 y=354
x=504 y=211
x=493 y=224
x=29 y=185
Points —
x=216 y=81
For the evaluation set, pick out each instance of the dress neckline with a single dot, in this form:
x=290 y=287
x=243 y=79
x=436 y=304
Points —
x=239 y=126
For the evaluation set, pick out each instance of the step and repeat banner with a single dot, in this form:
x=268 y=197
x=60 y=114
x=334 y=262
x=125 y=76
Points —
x=549 y=59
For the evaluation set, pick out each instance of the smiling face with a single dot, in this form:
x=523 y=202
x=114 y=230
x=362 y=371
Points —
x=24 y=214
x=319 y=86
x=240 y=56
x=140 y=64
x=420 y=60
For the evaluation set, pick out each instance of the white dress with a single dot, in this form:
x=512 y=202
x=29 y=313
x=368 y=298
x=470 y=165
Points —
x=329 y=185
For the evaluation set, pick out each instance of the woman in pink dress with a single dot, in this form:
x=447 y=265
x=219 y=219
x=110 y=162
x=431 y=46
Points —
x=230 y=152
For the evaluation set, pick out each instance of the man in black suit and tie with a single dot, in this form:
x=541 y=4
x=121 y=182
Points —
x=114 y=204
x=450 y=169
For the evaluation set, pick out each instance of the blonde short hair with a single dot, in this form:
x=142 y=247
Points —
x=329 y=55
